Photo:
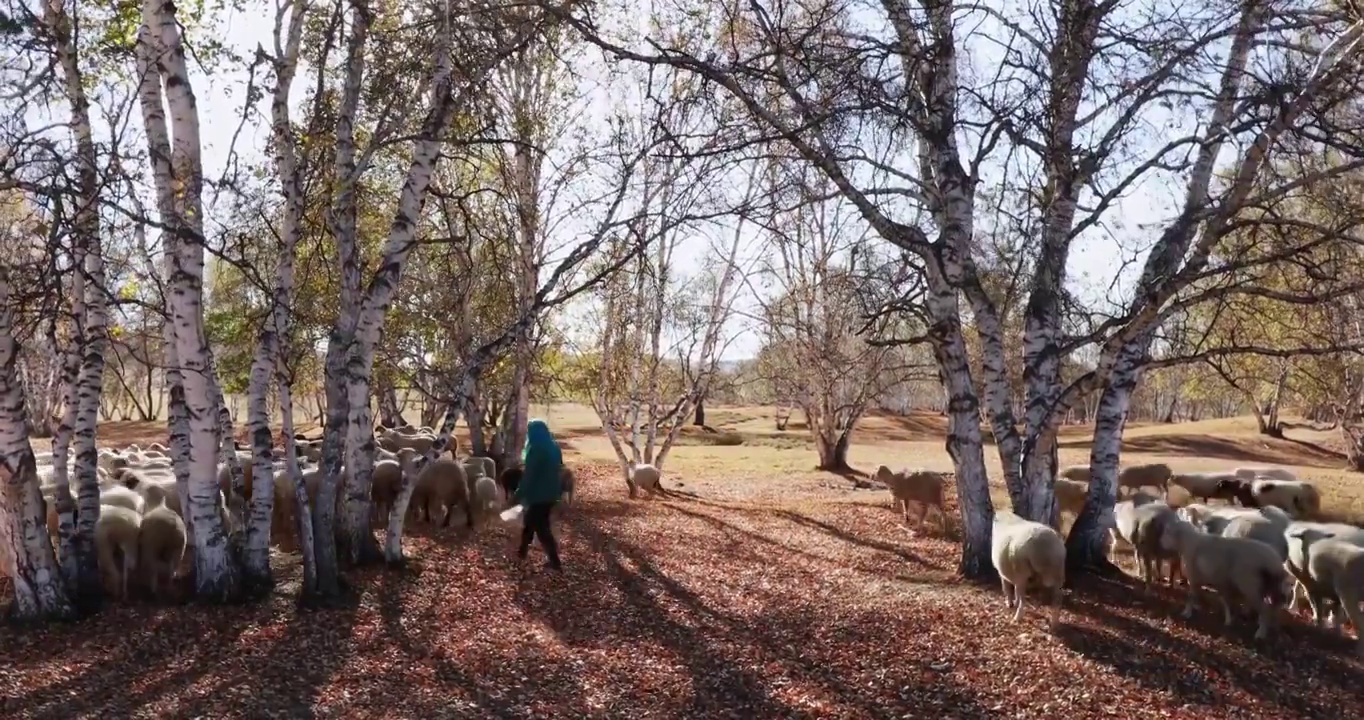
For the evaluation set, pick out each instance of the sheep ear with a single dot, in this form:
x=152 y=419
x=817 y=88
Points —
x=1266 y=486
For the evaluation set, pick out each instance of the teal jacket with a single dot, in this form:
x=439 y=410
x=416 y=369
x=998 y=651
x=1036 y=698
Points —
x=544 y=463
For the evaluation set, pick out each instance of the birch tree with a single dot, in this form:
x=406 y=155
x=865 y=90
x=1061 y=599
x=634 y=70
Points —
x=268 y=364
x=25 y=546
x=90 y=307
x=1069 y=95
x=196 y=406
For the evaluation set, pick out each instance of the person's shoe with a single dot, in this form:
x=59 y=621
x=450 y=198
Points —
x=556 y=567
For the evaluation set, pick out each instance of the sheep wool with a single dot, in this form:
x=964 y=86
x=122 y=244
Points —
x=1026 y=552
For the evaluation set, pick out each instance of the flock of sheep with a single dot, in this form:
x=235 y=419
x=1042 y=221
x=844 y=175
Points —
x=141 y=533
x=1261 y=550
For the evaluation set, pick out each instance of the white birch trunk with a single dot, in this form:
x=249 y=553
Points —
x=26 y=553
x=1086 y=545
x=269 y=356
x=215 y=575
x=307 y=539
x=71 y=560
x=88 y=283
x=963 y=434
x=1042 y=354
x=343 y=225
x=379 y=296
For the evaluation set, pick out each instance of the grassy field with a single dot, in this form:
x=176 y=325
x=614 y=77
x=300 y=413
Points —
x=768 y=590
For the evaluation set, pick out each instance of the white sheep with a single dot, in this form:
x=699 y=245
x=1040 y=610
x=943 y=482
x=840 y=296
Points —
x=1213 y=518
x=1297 y=498
x=1297 y=552
x=122 y=497
x=1247 y=569
x=485 y=500
x=923 y=487
x=1268 y=473
x=1026 y=552
x=1139 y=522
x=116 y=537
x=648 y=478
x=1336 y=571
x=1266 y=526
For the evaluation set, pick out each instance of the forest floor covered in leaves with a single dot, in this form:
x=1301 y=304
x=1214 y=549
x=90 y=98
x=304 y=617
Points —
x=820 y=605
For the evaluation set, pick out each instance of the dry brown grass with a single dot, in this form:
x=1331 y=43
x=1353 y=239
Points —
x=762 y=589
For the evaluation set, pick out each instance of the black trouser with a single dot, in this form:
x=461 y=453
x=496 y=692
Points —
x=536 y=522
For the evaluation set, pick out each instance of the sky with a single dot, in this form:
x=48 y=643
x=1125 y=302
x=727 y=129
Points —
x=1096 y=260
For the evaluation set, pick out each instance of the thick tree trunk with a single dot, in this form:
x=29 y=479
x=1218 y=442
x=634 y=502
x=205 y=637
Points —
x=357 y=543
x=963 y=434
x=833 y=451
x=1086 y=547
x=343 y=226
x=26 y=552
x=179 y=192
x=699 y=420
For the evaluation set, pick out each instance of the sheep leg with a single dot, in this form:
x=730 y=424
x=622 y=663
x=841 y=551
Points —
x=1293 y=598
x=129 y=564
x=1227 y=618
x=1190 y=601
x=1266 y=613
x=1055 y=607
x=923 y=513
x=1315 y=600
x=1008 y=592
x=1018 y=597
x=1348 y=600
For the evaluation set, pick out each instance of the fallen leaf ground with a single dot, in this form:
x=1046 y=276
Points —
x=692 y=607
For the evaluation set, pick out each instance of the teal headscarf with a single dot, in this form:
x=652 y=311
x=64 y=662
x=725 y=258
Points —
x=543 y=460
x=541 y=442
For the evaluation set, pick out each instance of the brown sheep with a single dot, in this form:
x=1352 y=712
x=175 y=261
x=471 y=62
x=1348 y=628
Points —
x=440 y=484
x=922 y=487
x=1139 y=476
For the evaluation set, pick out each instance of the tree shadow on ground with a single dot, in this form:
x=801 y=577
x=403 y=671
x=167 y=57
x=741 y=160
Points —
x=515 y=687
x=1293 y=452
x=1161 y=660
x=751 y=660
x=135 y=673
x=844 y=535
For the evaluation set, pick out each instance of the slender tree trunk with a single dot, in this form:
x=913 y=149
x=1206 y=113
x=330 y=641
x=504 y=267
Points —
x=699 y=420
x=269 y=351
x=390 y=415
x=307 y=539
x=343 y=226
x=80 y=572
x=359 y=368
x=25 y=545
x=89 y=306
